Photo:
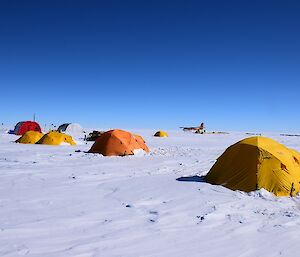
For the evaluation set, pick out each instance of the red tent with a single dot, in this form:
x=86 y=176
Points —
x=25 y=126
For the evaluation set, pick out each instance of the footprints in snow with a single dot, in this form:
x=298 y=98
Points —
x=151 y=215
x=154 y=216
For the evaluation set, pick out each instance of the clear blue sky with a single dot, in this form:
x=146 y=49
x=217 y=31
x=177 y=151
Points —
x=152 y=64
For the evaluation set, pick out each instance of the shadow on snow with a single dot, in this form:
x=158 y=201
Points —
x=192 y=179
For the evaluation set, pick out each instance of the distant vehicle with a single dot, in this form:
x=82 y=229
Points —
x=94 y=135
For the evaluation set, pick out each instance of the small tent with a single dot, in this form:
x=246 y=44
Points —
x=30 y=137
x=73 y=129
x=118 y=142
x=255 y=163
x=56 y=138
x=24 y=126
x=161 y=133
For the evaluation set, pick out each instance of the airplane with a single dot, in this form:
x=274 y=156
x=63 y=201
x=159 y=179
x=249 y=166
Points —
x=201 y=127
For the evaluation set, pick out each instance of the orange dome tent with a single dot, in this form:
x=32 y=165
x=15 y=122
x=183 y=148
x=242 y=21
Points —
x=118 y=142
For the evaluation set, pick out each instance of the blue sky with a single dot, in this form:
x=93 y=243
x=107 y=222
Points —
x=152 y=64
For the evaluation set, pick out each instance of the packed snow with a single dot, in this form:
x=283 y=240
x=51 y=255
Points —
x=62 y=201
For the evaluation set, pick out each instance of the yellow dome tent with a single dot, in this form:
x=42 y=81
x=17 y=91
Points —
x=255 y=163
x=161 y=133
x=56 y=138
x=30 y=137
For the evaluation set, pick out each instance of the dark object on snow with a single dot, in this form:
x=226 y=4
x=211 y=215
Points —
x=290 y=135
x=94 y=135
x=200 y=131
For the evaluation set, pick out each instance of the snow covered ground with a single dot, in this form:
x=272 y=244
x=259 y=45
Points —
x=57 y=201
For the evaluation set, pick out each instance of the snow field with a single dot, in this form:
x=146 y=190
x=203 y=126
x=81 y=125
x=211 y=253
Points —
x=61 y=201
